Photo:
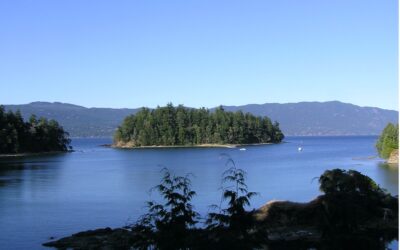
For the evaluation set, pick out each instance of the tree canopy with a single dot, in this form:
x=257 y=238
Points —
x=351 y=199
x=388 y=141
x=341 y=181
x=33 y=136
x=169 y=126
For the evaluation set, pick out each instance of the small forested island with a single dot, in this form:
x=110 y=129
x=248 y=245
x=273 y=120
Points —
x=181 y=126
x=34 y=136
x=388 y=143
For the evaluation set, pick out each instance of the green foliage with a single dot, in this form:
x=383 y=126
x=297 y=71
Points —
x=171 y=225
x=351 y=181
x=37 y=135
x=352 y=198
x=388 y=141
x=232 y=226
x=351 y=202
x=168 y=225
x=183 y=126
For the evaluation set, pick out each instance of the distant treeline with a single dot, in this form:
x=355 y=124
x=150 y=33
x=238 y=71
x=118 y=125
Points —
x=185 y=126
x=36 y=135
x=388 y=141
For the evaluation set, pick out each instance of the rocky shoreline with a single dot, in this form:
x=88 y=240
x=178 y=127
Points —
x=394 y=157
x=103 y=238
x=129 y=145
x=284 y=223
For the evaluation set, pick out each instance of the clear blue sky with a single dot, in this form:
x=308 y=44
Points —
x=199 y=53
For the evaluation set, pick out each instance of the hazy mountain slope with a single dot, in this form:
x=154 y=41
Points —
x=77 y=120
x=323 y=118
x=304 y=118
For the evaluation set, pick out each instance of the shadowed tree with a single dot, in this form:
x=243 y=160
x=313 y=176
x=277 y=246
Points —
x=36 y=135
x=168 y=225
x=352 y=198
x=232 y=227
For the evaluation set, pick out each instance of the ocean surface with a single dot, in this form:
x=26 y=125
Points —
x=95 y=186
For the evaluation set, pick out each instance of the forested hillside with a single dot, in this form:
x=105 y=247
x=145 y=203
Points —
x=303 y=118
x=169 y=126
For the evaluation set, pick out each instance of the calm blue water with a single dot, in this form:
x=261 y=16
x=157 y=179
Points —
x=57 y=195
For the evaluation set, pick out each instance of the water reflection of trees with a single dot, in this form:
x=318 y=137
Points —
x=29 y=174
x=390 y=176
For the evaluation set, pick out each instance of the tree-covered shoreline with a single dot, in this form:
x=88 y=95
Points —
x=388 y=141
x=181 y=126
x=19 y=137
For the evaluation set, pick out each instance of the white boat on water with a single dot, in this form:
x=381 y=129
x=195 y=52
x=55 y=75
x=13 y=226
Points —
x=300 y=149
x=242 y=149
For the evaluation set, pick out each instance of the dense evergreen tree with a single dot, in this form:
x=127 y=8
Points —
x=36 y=135
x=388 y=141
x=183 y=126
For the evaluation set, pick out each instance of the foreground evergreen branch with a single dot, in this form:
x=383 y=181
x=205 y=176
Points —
x=168 y=225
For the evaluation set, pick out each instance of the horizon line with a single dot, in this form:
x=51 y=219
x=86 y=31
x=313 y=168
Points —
x=237 y=105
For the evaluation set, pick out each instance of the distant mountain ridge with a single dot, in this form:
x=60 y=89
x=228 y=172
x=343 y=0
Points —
x=303 y=118
x=323 y=118
x=77 y=120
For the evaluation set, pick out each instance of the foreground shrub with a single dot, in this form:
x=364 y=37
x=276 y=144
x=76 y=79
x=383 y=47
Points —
x=353 y=206
x=168 y=225
x=352 y=199
x=233 y=227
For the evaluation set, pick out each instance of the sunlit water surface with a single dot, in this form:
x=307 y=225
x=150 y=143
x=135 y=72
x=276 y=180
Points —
x=95 y=186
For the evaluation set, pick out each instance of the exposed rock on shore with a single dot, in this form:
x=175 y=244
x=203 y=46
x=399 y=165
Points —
x=394 y=157
x=291 y=221
x=102 y=239
x=353 y=213
x=283 y=222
